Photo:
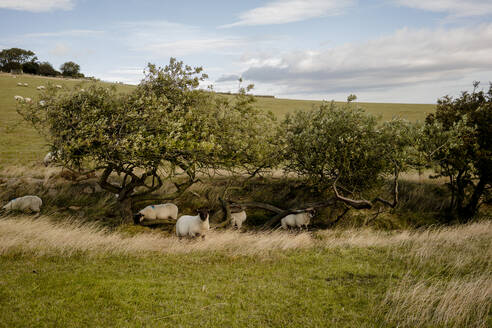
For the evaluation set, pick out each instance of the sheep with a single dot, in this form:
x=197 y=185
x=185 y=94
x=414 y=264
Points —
x=297 y=220
x=42 y=103
x=41 y=87
x=193 y=226
x=238 y=218
x=50 y=158
x=27 y=100
x=26 y=85
x=19 y=98
x=32 y=203
x=157 y=212
x=20 y=84
x=58 y=86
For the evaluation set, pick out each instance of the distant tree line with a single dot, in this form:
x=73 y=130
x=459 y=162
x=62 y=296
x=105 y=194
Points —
x=16 y=59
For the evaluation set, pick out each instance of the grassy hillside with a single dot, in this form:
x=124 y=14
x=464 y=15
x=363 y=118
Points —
x=72 y=275
x=22 y=145
x=412 y=112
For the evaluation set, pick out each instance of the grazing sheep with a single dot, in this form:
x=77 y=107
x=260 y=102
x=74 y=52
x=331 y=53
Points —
x=157 y=212
x=32 y=203
x=297 y=220
x=42 y=103
x=20 y=84
x=58 y=86
x=19 y=98
x=28 y=100
x=50 y=158
x=193 y=226
x=238 y=218
x=26 y=85
x=41 y=87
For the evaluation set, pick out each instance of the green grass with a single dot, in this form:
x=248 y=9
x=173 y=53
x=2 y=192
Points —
x=296 y=289
x=411 y=112
x=339 y=278
x=22 y=145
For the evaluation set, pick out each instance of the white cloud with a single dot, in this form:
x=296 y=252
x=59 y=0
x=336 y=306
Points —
x=164 y=39
x=287 y=11
x=60 y=50
x=37 y=5
x=205 y=45
x=407 y=58
x=457 y=8
x=65 y=33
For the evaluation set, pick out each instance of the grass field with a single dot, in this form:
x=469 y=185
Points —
x=73 y=275
x=21 y=145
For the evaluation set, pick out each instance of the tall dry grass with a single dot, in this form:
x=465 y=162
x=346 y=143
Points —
x=448 y=283
x=23 y=235
x=460 y=302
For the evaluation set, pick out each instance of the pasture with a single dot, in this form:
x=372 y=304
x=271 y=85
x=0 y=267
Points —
x=75 y=275
x=21 y=144
x=77 y=265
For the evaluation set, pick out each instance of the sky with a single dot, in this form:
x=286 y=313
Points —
x=407 y=51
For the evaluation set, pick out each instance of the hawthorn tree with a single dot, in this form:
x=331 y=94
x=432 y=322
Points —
x=345 y=150
x=457 y=141
x=166 y=130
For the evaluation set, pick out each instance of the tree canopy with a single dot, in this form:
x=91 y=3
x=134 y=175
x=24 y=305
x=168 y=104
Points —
x=167 y=129
x=457 y=140
x=14 y=58
x=71 y=69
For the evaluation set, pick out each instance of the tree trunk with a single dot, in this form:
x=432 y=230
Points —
x=125 y=210
x=471 y=208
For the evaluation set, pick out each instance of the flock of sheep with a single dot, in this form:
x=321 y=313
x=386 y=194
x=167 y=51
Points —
x=186 y=225
x=28 y=100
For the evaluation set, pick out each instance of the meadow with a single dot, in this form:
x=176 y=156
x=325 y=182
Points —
x=72 y=275
x=77 y=266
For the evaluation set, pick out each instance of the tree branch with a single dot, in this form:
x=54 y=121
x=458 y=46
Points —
x=357 y=204
x=103 y=181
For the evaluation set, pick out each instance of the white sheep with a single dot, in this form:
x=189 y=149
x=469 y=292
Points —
x=193 y=226
x=19 y=98
x=50 y=158
x=27 y=100
x=20 y=84
x=297 y=220
x=58 y=86
x=32 y=203
x=157 y=212
x=238 y=218
x=26 y=85
x=42 y=103
x=41 y=87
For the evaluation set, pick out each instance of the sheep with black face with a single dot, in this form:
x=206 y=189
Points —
x=193 y=226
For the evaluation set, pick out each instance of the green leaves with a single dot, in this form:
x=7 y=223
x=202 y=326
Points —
x=331 y=140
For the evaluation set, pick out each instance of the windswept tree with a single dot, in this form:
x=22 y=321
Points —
x=457 y=142
x=344 y=150
x=166 y=130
